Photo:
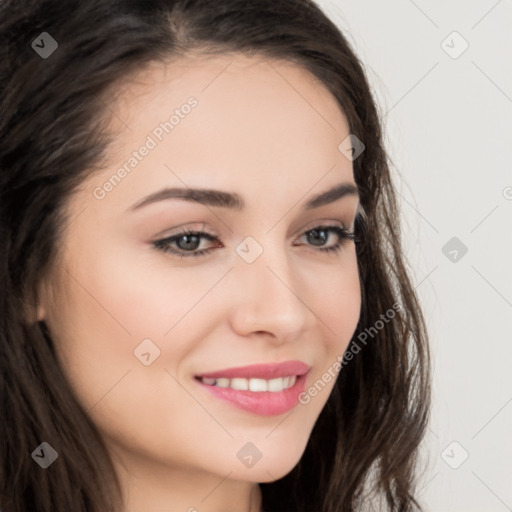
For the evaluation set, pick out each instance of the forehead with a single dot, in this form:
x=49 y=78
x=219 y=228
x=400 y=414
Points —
x=213 y=76
x=254 y=120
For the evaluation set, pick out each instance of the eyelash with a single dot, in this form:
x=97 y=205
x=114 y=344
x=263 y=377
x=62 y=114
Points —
x=164 y=244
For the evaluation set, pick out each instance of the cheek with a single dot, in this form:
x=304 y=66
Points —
x=113 y=307
x=335 y=297
x=144 y=296
x=342 y=306
x=337 y=305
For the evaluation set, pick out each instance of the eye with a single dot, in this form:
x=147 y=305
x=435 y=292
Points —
x=187 y=242
x=320 y=234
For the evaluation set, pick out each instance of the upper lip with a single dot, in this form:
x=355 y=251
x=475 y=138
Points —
x=261 y=371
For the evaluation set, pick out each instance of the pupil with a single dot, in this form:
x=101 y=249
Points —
x=191 y=242
x=314 y=236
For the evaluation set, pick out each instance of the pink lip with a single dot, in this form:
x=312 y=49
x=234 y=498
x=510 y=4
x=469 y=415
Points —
x=264 y=403
x=261 y=371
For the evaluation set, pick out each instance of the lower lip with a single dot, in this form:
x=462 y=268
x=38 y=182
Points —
x=264 y=403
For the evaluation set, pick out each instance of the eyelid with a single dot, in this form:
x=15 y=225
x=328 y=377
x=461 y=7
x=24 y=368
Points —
x=344 y=235
x=320 y=222
x=185 y=227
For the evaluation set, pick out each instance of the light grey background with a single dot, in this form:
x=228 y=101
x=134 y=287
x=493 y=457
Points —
x=448 y=122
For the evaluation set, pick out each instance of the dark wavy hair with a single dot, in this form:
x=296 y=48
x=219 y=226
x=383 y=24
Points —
x=364 y=447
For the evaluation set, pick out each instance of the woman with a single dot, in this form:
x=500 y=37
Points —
x=206 y=302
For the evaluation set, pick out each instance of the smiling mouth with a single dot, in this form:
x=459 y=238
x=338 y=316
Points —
x=264 y=389
x=251 y=384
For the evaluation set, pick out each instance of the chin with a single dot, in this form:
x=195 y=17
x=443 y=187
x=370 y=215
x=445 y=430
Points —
x=269 y=469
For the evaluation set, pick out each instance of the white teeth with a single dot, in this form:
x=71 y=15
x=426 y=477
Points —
x=256 y=385
x=222 y=383
x=240 y=384
x=277 y=384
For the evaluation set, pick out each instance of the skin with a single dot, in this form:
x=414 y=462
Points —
x=268 y=131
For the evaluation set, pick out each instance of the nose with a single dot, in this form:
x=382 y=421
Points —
x=269 y=298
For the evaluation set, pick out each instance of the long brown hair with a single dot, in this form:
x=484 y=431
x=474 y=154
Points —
x=364 y=446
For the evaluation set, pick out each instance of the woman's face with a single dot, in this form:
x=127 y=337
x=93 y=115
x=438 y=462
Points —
x=134 y=325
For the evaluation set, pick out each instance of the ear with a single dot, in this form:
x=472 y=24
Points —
x=40 y=313
x=36 y=311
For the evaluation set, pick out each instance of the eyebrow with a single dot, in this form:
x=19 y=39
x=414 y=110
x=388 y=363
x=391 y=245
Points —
x=218 y=198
